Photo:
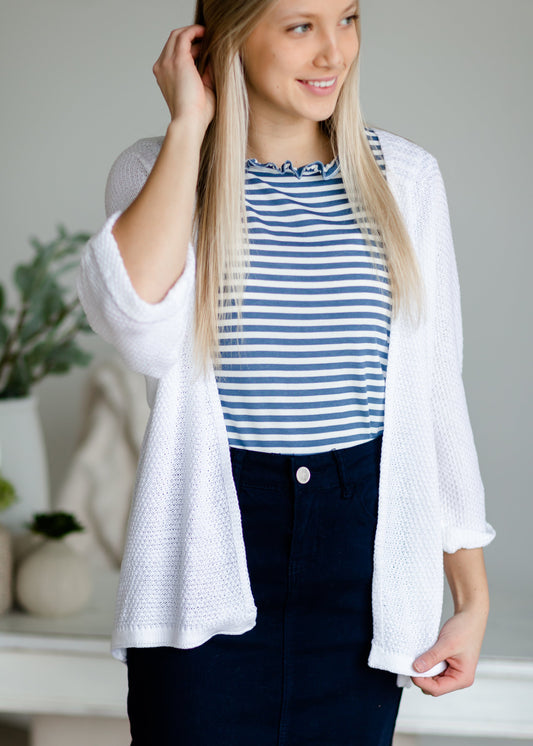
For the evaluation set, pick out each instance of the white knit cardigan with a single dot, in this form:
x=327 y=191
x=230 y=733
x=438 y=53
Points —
x=184 y=576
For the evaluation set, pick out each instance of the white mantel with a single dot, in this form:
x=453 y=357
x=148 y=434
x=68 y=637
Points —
x=63 y=667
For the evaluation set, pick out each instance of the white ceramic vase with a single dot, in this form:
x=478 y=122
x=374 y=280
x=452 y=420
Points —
x=53 y=580
x=24 y=461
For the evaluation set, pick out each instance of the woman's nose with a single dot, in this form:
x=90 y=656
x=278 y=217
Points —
x=329 y=51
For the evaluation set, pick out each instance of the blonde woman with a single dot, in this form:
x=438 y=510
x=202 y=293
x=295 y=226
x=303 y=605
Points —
x=284 y=276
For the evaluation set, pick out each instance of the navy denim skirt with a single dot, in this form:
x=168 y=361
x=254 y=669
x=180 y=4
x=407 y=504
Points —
x=300 y=676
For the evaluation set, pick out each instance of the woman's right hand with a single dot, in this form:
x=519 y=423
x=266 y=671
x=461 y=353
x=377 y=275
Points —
x=186 y=92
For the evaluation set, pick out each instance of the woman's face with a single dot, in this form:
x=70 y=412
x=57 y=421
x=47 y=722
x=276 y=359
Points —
x=297 y=58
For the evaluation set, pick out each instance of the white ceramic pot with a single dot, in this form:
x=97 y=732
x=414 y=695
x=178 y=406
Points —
x=53 y=580
x=24 y=461
x=6 y=570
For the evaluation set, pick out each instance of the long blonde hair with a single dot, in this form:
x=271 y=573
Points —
x=220 y=225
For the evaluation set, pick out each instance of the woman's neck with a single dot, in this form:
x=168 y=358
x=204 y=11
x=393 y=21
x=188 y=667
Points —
x=299 y=152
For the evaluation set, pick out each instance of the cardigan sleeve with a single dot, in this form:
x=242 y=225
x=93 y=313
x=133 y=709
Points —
x=462 y=497
x=147 y=336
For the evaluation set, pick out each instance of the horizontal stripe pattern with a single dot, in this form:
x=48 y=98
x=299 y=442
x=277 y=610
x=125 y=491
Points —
x=306 y=371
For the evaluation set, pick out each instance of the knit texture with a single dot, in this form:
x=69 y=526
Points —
x=184 y=576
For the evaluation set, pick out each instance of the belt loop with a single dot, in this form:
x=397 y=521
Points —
x=237 y=459
x=345 y=494
x=292 y=466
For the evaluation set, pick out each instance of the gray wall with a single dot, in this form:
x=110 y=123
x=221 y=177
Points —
x=455 y=77
x=77 y=87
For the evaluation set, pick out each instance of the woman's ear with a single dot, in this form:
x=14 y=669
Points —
x=243 y=63
x=242 y=53
x=202 y=61
x=208 y=75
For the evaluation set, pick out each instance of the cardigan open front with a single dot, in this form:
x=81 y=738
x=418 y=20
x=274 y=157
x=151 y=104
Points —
x=184 y=576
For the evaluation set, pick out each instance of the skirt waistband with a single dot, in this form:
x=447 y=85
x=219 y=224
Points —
x=336 y=468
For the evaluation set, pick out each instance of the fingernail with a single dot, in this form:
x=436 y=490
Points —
x=419 y=665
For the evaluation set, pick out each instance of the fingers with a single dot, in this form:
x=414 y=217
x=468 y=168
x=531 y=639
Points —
x=448 y=681
x=458 y=644
x=177 y=75
x=439 y=652
x=435 y=686
x=180 y=37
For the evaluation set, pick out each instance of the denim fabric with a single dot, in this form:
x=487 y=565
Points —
x=300 y=676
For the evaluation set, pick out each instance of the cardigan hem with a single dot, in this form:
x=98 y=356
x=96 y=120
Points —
x=400 y=664
x=174 y=637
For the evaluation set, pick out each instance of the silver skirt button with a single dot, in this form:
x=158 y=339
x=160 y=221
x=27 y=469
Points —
x=303 y=475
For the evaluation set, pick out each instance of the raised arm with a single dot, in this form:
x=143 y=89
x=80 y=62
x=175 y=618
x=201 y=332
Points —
x=136 y=278
x=161 y=215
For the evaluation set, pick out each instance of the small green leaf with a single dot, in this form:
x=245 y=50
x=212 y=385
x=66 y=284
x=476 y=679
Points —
x=67 y=267
x=83 y=325
x=31 y=327
x=7 y=494
x=37 y=356
x=2 y=298
x=60 y=359
x=46 y=296
x=80 y=238
x=36 y=244
x=80 y=357
x=24 y=280
x=53 y=306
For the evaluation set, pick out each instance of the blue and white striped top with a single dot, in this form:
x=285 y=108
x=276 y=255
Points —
x=308 y=374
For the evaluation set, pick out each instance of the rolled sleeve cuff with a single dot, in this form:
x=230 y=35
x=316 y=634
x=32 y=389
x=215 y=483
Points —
x=102 y=257
x=463 y=538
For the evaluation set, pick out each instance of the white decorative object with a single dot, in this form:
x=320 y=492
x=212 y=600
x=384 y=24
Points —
x=101 y=476
x=24 y=461
x=53 y=580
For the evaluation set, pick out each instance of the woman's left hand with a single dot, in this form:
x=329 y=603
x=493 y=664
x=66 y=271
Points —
x=459 y=644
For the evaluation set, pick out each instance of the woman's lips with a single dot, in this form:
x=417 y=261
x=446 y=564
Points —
x=319 y=90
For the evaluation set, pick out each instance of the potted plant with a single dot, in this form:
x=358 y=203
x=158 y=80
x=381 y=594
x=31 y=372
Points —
x=8 y=496
x=53 y=579
x=38 y=333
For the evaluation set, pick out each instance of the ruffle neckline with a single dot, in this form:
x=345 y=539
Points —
x=326 y=170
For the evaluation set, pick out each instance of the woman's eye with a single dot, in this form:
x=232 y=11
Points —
x=302 y=25
x=350 y=19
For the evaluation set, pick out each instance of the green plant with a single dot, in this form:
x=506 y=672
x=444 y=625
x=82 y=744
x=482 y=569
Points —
x=54 y=525
x=7 y=494
x=37 y=338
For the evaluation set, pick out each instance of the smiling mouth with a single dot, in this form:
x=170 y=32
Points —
x=321 y=88
x=325 y=83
